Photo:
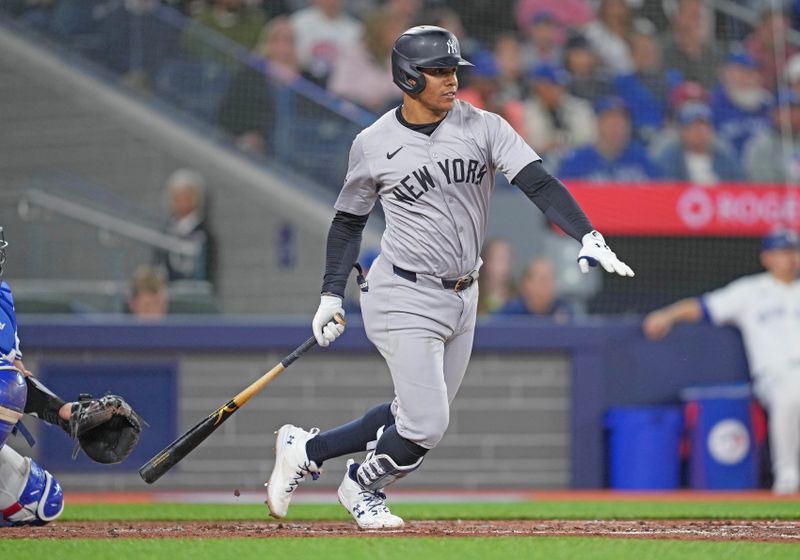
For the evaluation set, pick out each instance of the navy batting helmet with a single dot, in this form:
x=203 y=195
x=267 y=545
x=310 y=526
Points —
x=424 y=46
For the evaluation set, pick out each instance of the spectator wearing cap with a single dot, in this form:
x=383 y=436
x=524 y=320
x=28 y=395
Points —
x=646 y=89
x=587 y=78
x=688 y=46
x=770 y=157
x=555 y=121
x=543 y=40
x=768 y=45
x=609 y=35
x=615 y=156
x=483 y=91
x=741 y=106
x=765 y=307
x=696 y=156
x=684 y=92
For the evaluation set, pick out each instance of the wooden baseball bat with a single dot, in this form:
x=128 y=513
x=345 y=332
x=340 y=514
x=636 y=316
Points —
x=181 y=447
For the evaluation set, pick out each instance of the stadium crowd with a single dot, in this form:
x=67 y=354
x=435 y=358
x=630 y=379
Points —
x=617 y=90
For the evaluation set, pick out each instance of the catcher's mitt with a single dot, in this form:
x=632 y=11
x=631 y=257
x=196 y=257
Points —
x=107 y=429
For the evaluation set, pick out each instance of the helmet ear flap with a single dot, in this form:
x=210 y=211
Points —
x=418 y=85
x=403 y=72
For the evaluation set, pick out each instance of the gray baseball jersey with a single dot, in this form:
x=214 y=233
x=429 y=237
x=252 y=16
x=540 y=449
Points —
x=434 y=189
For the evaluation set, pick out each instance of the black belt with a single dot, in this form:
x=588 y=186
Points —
x=459 y=284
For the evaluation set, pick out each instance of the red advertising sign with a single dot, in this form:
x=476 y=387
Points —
x=682 y=209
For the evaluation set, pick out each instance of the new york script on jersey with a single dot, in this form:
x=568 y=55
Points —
x=414 y=185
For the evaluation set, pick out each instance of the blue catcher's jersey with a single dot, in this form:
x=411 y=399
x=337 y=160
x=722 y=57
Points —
x=9 y=342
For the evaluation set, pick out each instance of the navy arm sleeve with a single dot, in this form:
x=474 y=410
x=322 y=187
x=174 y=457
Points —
x=553 y=199
x=344 y=243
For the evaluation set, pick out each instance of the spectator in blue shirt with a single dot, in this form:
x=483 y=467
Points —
x=696 y=155
x=741 y=106
x=646 y=89
x=615 y=156
x=538 y=294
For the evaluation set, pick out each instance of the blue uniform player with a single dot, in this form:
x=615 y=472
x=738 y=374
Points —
x=107 y=429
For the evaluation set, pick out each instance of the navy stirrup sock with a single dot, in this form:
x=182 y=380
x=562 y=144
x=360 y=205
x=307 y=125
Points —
x=349 y=438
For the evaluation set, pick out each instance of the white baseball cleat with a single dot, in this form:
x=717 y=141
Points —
x=367 y=508
x=291 y=467
x=785 y=485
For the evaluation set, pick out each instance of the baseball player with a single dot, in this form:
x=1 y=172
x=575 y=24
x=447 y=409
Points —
x=766 y=309
x=107 y=429
x=432 y=164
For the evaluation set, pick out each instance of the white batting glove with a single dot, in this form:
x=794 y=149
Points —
x=325 y=329
x=596 y=251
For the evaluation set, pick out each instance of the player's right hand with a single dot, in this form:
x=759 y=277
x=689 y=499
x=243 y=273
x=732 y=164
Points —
x=325 y=329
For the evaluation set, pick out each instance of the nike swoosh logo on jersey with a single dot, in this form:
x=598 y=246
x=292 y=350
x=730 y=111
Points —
x=394 y=153
x=2 y=326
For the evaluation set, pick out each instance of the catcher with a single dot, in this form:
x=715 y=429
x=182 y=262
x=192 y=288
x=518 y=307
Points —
x=106 y=429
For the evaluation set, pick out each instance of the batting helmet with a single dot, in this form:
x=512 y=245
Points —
x=424 y=46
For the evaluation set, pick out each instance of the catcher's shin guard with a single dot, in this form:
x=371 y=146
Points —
x=29 y=495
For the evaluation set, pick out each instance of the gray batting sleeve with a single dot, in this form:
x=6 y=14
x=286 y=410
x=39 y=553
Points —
x=344 y=243
x=553 y=198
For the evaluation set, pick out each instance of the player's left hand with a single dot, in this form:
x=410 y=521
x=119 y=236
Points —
x=324 y=327
x=107 y=429
x=595 y=251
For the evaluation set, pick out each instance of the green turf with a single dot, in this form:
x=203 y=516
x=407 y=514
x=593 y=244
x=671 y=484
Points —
x=512 y=510
x=349 y=548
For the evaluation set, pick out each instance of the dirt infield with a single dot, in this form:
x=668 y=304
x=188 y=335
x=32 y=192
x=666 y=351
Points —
x=762 y=531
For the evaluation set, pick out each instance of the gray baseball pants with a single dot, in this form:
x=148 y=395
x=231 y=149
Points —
x=425 y=334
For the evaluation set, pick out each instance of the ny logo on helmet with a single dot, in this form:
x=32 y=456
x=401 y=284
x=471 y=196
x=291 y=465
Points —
x=452 y=46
